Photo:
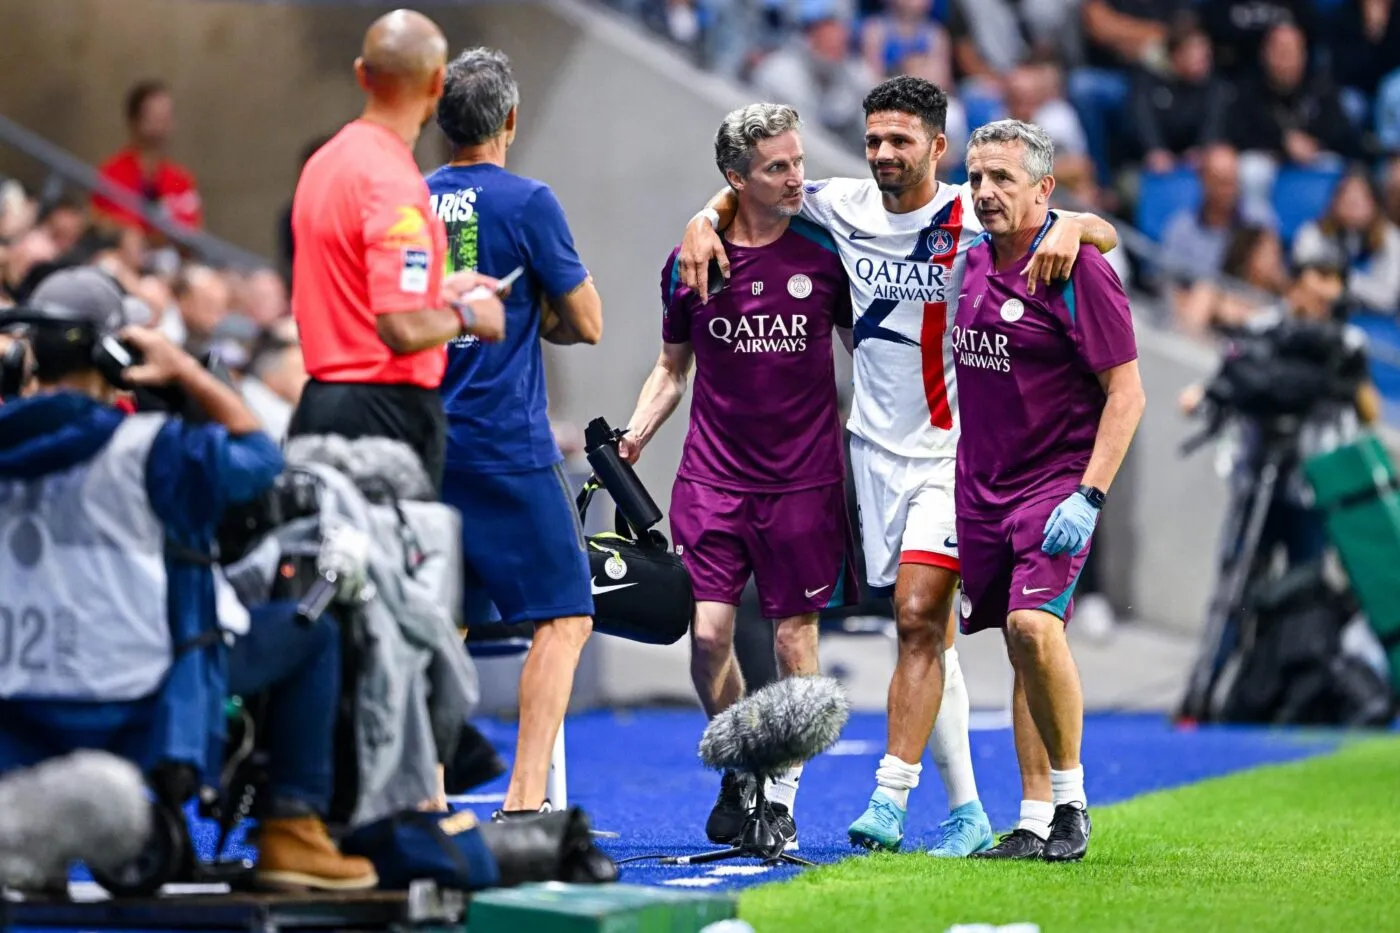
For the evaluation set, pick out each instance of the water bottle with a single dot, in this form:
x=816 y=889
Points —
x=618 y=477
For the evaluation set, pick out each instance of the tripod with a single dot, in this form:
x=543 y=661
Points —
x=1239 y=568
x=759 y=841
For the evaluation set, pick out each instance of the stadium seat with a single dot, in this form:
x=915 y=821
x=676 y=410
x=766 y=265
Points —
x=1301 y=195
x=1163 y=194
x=981 y=110
x=1383 y=334
x=495 y=641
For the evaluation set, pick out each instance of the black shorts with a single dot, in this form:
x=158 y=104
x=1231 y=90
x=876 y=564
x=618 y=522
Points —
x=405 y=413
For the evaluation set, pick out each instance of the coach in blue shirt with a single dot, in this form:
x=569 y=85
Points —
x=522 y=539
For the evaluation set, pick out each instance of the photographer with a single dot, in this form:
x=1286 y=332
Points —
x=107 y=529
x=1309 y=316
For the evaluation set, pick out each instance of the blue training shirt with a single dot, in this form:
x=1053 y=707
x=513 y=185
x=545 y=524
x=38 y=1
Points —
x=494 y=393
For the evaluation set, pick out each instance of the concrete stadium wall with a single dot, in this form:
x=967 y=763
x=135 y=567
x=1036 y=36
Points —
x=622 y=129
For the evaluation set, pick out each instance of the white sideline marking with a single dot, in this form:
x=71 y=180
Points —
x=725 y=870
x=692 y=882
x=476 y=798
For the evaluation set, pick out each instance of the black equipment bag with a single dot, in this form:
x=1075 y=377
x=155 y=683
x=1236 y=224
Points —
x=641 y=590
x=1294 y=671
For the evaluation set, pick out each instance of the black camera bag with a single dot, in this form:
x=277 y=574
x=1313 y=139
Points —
x=641 y=590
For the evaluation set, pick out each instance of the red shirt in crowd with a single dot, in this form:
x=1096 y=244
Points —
x=367 y=243
x=171 y=187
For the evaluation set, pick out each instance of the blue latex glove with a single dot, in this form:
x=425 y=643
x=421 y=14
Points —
x=1070 y=526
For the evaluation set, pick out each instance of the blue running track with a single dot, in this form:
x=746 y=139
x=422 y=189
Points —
x=637 y=775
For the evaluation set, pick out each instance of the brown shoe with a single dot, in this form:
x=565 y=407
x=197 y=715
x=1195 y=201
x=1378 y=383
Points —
x=297 y=853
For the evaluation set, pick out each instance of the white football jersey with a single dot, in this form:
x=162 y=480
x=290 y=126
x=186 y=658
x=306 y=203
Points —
x=906 y=273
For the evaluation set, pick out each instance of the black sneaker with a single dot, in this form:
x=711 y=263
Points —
x=726 y=823
x=1069 y=834
x=1019 y=843
x=780 y=820
x=500 y=816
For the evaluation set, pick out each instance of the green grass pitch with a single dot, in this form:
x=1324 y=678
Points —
x=1309 y=846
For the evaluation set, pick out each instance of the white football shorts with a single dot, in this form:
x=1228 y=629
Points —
x=906 y=511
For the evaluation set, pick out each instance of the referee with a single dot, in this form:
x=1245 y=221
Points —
x=372 y=305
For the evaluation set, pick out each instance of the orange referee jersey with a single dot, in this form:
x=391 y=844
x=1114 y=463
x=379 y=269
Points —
x=367 y=243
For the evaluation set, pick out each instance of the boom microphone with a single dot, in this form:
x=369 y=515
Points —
x=782 y=725
x=87 y=806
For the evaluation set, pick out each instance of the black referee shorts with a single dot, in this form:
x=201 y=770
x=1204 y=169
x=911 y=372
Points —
x=406 y=413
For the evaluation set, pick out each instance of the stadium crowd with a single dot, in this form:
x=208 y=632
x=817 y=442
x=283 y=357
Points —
x=240 y=315
x=1132 y=92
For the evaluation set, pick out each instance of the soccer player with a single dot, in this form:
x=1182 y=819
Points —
x=761 y=485
x=522 y=538
x=902 y=236
x=1051 y=398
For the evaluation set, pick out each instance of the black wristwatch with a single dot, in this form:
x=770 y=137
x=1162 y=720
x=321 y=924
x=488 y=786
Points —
x=1095 y=496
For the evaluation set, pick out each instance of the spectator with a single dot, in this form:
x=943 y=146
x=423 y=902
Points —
x=64 y=222
x=1118 y=35
x=261 y=297
x=28 y=251
x=1195 y=240
x=274 y=377
x=145 y=168
x=203 y=298
x=955 y=129
x=902 y=30
x=1287 y=114
x=1035 y=94
x=1365 y=46
x=990 y=37
x=1355 y=225
x=1392 y=190
x=1237 y=29
x=1178 y=113
x=1253 y=274
x=815 y=75
x=1388 y=114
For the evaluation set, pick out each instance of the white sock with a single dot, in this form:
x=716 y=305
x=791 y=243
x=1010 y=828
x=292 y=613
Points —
x=1035 y=816
x=783 y=788
x=1068 y=787
x=951 y=745
x=895 y=778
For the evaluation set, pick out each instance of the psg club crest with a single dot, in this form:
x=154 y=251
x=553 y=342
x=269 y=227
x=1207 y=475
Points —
x=940 y=242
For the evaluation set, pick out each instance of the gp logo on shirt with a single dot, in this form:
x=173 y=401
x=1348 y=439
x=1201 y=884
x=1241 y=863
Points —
x=409 y=228
x=762 y=333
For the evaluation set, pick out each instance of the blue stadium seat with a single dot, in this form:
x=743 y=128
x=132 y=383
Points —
x=1383 y=333
x=1301 y=195
x=981 y=110
x=1163 y=194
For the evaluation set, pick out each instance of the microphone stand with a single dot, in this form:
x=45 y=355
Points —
x=758 y=841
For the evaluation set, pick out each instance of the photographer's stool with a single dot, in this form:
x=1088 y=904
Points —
x=498 y=641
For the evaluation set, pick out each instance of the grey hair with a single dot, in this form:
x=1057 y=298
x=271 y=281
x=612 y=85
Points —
x=1037 y=150
x=478 y=94
x=742 y=129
